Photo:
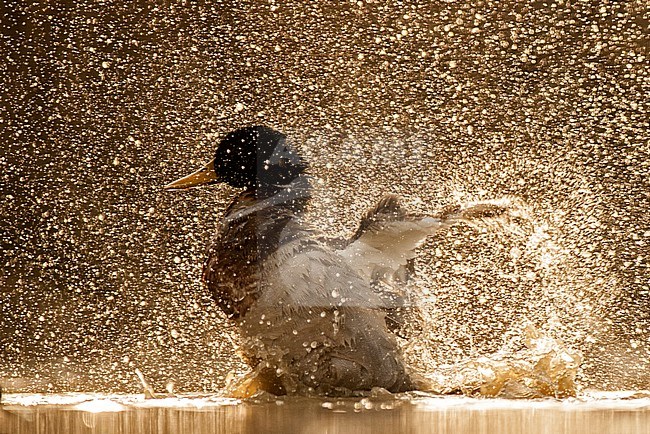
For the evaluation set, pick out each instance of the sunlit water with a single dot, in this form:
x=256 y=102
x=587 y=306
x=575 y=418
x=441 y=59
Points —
x=621 y=413
x=544 y=103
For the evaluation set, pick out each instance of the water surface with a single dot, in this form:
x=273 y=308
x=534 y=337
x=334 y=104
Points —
x=621 y=413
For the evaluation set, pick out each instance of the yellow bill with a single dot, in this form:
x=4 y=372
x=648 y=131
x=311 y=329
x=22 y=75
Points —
x=205 y=175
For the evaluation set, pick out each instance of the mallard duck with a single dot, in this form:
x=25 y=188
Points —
x=311 y=317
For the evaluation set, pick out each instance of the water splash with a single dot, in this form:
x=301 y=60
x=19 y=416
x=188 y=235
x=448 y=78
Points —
x=456 y=103
x=544 y=368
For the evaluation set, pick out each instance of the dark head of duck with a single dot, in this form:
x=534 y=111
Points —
x=257 y=159
x=271 y=173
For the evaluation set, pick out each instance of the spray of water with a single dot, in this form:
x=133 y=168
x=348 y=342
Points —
x=440 y=104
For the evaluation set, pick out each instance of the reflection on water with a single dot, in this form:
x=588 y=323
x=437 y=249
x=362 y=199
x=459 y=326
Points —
x=125 y=414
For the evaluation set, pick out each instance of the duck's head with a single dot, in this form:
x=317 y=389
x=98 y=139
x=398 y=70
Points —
x=255 y=158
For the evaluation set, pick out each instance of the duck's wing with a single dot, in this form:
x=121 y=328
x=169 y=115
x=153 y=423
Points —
x=384 y=243
x=383 y=247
